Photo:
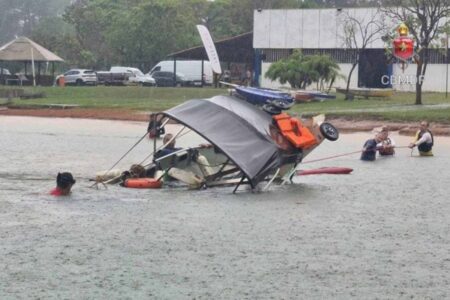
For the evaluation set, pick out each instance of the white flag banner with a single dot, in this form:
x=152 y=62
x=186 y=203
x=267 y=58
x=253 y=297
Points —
x=210 y=48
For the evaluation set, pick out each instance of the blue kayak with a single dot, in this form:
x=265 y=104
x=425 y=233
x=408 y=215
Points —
x=258 y=96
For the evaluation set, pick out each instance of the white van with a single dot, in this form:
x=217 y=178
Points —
x=191 y=69
x=135 y=75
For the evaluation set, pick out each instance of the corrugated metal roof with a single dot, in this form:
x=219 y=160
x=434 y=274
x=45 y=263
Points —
x=237 y=49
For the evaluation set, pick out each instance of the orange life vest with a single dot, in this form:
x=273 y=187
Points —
x=294 y=131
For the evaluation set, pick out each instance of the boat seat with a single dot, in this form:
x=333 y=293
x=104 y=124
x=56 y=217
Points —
x=294 y=131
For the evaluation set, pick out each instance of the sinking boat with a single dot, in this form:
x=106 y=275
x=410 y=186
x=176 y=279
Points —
x=247 y=145
x=367 y=92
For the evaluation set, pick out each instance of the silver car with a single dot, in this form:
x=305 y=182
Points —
x=80 y=77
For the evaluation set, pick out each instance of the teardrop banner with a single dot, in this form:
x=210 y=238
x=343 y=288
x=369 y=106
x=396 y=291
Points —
x=210 y=49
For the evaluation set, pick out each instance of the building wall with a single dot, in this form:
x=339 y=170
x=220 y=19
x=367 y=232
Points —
x=277 y=32
x=434 y=81
x=345 y=68
x=307 y=28
x=435 y=78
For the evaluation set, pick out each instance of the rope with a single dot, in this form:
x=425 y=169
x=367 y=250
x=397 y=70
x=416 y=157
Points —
x=330 y=157
x=127 y=152
x=123 y=156
x=344 y=154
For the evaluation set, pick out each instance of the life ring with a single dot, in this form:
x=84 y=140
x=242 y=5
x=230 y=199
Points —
x=143 y=183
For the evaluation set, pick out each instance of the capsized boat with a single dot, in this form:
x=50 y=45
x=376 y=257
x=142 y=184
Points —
x=272 y=101
x=367 y=92
x=247 y=144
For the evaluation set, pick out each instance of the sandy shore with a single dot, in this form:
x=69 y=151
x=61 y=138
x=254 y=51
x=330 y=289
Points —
x=343 y=124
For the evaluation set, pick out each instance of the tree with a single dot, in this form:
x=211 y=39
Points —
x=300 y=71
x=90 y=20
x=323 y=70
x=20 y=17
x=59 y=37
x=225 y=18
x=427 y=20
x=148 y=32
x=358 y=33
x=134 y=32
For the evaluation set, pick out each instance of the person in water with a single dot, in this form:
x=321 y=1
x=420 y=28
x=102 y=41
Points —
x=155 y=130
x=169 y=142
x=387 y=145
x=370 y=148
x=64 y=183
x=423 y=140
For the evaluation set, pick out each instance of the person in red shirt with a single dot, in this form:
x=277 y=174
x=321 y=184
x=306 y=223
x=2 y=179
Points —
x=64 y=183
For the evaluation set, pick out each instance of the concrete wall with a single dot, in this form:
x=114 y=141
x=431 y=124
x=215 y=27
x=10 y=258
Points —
x=345 y=68
x=323 y=28
x=434 y=80
x=306 y=28
x=313 y=28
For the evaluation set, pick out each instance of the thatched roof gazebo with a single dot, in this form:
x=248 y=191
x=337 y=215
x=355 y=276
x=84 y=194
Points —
x=22 y=49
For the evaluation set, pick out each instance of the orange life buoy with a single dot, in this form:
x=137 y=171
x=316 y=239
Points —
x=143 y=183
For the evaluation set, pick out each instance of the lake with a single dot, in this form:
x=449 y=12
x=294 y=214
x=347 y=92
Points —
x=380 y=232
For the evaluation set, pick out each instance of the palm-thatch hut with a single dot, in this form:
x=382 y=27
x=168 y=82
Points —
x=22 y=49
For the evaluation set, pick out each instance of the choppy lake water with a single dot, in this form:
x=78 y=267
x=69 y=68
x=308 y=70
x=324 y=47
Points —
x=381 y=232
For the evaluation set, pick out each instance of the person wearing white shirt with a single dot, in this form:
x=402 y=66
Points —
x=387 y=145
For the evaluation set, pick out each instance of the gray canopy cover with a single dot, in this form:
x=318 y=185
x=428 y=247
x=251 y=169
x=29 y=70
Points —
x=238 y=129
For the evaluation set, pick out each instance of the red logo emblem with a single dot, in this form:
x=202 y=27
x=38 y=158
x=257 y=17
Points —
x=403 y=48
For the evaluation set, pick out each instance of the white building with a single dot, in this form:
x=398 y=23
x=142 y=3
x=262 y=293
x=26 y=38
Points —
x=320 y=31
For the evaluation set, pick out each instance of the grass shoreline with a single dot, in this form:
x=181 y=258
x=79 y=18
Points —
x=399 y=108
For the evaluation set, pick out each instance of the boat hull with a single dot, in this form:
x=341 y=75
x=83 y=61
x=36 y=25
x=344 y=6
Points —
x=258 y=96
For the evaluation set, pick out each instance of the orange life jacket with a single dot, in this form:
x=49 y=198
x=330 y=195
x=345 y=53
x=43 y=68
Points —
x=294 y=131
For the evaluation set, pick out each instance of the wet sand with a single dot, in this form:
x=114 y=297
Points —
x=381 y=232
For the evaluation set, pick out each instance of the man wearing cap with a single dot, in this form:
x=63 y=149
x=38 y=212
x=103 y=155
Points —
x=64 y=182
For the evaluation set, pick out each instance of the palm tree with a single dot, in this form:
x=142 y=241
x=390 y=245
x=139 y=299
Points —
x=301 y=71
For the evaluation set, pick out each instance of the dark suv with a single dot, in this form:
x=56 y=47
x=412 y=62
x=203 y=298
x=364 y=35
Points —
x=164 y=78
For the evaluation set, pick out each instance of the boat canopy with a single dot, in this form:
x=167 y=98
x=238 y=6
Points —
x=240 y=130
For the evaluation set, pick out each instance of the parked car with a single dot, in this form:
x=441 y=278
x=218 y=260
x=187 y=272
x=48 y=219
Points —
x=110 y=78
x=135 y=76
x=80 y=77
x=164 y=78
x=191 y=69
